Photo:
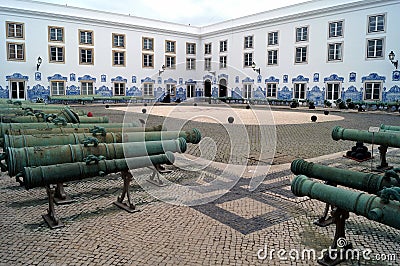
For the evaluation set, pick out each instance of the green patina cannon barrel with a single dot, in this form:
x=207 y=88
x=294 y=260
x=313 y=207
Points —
x=96 y=130
x=20 y=141
x=93 y=120
x=380 y=138
x=53 y=174
x=367 y=182
x=18 y=158
x=371 y=207
x=389 y=127
x=5 y=126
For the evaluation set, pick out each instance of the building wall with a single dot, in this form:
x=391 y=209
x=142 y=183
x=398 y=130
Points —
x=315 y=73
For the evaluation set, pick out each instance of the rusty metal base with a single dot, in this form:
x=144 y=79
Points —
x=357 y=160
x=324 y=222
x=382 y=169
x=126 y=207
x=51 y=223
x=66 y=200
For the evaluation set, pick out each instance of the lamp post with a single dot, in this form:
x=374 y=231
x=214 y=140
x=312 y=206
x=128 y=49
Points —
x=258 y=70
x=392 y=57
x=39 y=62
x=162 y=70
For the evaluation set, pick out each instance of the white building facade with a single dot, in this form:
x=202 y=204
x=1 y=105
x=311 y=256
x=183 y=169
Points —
x=318 y=50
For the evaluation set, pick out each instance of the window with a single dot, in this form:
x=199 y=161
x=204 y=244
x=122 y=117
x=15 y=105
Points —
x=335 y=52
x=86 y=56
x=372 y=90
x=271 y=90
x=336 y=29
x=273 y=38
x=299 y=90
x=247 y=91
x=190 y=63
x=118 y=58
x=222 y=61
x=332 y=91
x=375 y=48
x=190 y=90
x=147 y=60
x=169 y=46
x=148 y=44
x=148 y=89
x=207 y=63
x=170 y=61
x=302 y=34
x=15 y=30
x=17 y=89
x=119 y=88
x=15 y=51
x=118 y=40
x=272 y=57
x=376 y=23
x=171 y=89
x=87 y=88
x=85 y=37
x=301 y=54
x=207 y=48
x=248 y=42
x=56 y=54
x=223 y=46
x=248 y=59
x=57 y=88
x=190 y=48
x=56 y=34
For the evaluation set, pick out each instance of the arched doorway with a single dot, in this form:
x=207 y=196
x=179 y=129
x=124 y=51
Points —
x=223 y=91
x=207 y=88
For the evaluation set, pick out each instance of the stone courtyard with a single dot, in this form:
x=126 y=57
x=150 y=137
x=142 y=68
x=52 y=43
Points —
x=234 y=229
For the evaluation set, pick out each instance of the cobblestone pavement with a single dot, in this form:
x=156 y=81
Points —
x=228 y=231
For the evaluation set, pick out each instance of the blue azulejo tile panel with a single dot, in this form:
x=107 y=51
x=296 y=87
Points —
x=38 y=92
x=391 y=95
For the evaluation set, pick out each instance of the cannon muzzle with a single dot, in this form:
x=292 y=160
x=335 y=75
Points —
x=371 y=207
x=390 y=127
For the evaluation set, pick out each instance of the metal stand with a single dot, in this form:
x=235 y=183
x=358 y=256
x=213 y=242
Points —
x=60 y=197
x=51 y=218
x=337 y=251
x=384 y=165
x=128 y=206
x=157 y=170
x=326 y=219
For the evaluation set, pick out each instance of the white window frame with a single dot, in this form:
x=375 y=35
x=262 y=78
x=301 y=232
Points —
x=57 y=32
x=247 y=59
x=374 y=83
x=332 y=88
x=223 y=46
x=207 y=63
x=335 y=33
x=118 y=62
x=117 y=87
x=376 y=28
x=14 y=31
x=170 y=61
x=302 y=55
x=57 y=87
x=273 y=57
x=147 y=44
x=375 y=48
x=148 y=60
x=223 y=61
x=247 y=90
x=148 y=89
x=18 y=89
x=301 y=87
x=84 y=60
x=189 y=89
x=207 y=48
x=88 y=37
x=302 y=34
x=272 y=89
x=273 y=38
x=16 y=47
x=190 y=63
x=171 y=89
x=248 y=42
x=118 y=40
x=170 y=46
x=57 y=58
x=87 y=88
x=190 y=48
x=337 y=55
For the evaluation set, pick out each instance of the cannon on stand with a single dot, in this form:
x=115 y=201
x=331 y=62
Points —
x=368 y=182
x=384 y=209
x=45 y=176
x=383 y=139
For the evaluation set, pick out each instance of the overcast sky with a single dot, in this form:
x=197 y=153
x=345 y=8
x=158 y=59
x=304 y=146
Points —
x=194 y=12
